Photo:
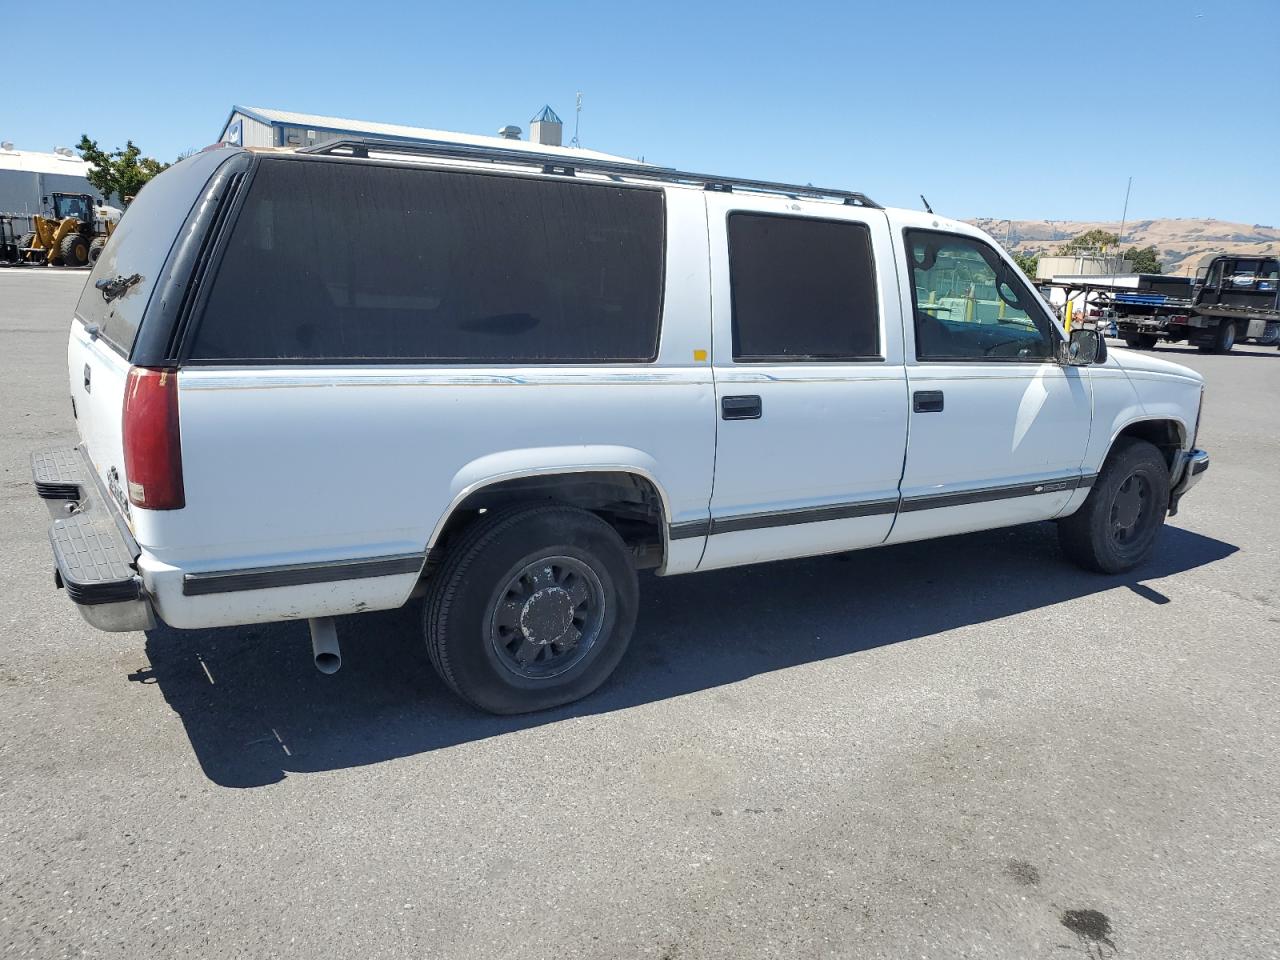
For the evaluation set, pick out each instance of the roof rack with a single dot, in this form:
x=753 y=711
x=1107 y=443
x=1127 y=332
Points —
x=568 y=165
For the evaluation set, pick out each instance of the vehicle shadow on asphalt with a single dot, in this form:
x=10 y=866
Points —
x=256 y=709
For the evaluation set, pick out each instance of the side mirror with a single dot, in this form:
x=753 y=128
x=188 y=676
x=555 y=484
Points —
x=1084 y=347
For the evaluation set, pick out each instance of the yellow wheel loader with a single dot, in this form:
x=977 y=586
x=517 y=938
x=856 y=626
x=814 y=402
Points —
x=72 y=237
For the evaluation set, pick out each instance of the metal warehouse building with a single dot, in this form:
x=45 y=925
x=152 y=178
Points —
x=265 y=127
x=27 y=177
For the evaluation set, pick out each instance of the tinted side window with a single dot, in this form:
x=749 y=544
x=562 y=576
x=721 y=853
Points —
x=969 y=305
x=802 y=289
x=140 y=244
x=333 y=260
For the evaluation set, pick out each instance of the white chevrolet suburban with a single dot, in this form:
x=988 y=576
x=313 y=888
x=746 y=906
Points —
x=501 y=381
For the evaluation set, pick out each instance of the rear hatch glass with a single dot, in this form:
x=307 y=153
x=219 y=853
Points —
x=139 y=246
x=98 y=361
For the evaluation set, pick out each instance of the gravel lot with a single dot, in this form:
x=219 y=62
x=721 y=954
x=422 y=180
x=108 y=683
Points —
x=958 y=748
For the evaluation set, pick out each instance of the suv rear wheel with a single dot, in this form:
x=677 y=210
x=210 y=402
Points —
x=532 y=608
x=1116 y=527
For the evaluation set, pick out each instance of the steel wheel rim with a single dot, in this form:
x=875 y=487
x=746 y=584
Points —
x=1131 y=510
x=547 y=617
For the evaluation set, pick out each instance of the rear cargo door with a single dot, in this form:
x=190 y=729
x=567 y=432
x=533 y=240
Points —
x=107 y=322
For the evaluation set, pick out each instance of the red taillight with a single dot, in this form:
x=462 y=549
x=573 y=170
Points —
x=152 y=444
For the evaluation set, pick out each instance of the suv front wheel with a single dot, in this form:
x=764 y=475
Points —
x=1115 y=529
x=533 y=607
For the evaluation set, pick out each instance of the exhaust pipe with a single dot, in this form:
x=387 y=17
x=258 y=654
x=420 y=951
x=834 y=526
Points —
x=324 y=645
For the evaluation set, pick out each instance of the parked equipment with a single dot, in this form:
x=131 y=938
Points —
x=1232 y=299
x=72 y=236
x=8 y=241
x=663 y=370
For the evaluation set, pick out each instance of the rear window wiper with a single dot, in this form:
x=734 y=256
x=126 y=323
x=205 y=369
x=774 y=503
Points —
x=116 y=285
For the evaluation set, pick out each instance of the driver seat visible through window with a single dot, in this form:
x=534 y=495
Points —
x=970 y=305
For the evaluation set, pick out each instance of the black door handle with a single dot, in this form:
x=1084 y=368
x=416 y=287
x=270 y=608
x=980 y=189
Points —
x=927 y=401
x=741 y=408
x=86 y=378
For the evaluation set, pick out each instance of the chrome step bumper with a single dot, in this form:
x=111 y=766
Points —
x=94 y=553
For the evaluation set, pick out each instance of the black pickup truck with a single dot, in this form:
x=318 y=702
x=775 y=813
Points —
x=1232 y=299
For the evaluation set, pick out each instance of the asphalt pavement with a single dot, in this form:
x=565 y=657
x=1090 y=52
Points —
x=962 y=748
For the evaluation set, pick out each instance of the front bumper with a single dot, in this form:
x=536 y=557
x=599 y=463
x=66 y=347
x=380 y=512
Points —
x=1191 y=466
x=94 y=553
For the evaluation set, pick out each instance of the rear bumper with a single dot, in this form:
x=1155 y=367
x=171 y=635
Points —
x=1191 y=467
x=94 y=554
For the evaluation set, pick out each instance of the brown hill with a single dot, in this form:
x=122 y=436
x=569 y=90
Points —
x=1180 y=241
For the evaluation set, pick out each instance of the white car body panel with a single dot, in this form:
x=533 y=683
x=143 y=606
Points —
x=297 y=465
x=830 y=433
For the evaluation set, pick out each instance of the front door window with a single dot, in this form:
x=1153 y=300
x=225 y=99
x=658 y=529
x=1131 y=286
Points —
x=970 y=304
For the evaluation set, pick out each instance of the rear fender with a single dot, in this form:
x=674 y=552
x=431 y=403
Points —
x=550 y=461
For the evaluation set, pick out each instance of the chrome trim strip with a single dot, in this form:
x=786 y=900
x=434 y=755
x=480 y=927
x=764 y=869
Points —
x=689 y=529
x=782 y=518
x=213 y=378
x=299 y=574
x=934 y=501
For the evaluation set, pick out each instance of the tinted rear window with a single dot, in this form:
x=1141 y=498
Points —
x=331 y=261
x=803 y=289
x=140 y=244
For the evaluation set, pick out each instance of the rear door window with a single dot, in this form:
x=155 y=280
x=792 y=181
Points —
x=803 y=289
x=335 y=261
x=140 y=244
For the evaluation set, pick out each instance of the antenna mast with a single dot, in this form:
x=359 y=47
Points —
x=577 y=115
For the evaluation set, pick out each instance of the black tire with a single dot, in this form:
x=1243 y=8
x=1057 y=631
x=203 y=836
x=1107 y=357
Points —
x=1226 y=338
x=27 y=240
x=484 y=578
x=1147 y=341
x=95 y=249
x=73 y=250
x=1116 y=527
x=1131 y=340
x=1205 y=347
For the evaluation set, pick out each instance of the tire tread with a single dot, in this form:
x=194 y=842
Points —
x=1078 y=533
x=475 y=539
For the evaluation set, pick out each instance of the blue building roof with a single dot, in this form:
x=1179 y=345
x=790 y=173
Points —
x=547 y=115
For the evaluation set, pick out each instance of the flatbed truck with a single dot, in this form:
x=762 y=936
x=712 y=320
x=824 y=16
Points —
x=1232 y=299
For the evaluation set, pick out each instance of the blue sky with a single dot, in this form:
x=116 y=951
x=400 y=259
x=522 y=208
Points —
x=1023 y=110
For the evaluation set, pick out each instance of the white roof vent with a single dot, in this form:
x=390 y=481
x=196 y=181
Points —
x=63 y=151
x=6 y=145
x=510 y=132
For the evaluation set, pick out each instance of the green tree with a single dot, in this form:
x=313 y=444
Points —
x=122 y=172
x=1146 y=260
x=1027 y=263
x=1092 y=240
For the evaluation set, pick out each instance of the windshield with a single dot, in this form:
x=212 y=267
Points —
x=79 y=206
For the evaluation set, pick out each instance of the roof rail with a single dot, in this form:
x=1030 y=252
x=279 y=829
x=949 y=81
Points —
x=565 y=164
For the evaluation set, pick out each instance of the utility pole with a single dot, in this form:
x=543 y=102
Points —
x=1124 y=217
